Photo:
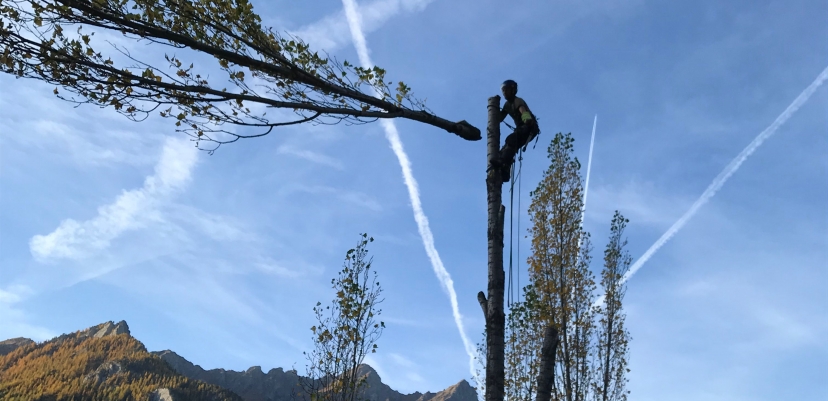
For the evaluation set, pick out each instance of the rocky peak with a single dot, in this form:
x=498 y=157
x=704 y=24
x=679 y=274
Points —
x=6 y=347
x=372 y=378
x=255 y=371
x=105 y=329
x=365 y=369
x=461 y=391
x=97 y=331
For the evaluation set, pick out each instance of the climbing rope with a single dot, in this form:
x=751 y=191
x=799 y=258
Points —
x=520 y=177
x=511 y=235
x=511 y=292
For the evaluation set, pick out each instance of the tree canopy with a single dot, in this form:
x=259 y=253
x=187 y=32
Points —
x=52 y=41
x=593 y=355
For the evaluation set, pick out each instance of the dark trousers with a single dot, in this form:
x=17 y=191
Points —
x=517 y=140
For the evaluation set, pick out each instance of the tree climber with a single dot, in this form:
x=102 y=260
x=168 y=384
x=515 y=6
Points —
x=526 y=127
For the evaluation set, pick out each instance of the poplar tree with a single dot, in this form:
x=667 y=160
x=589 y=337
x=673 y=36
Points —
x=559 y=268
x=612 y=348
x=591 y=360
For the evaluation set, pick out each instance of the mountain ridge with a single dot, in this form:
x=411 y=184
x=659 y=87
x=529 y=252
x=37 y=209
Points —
x=283 y=385
x=250 y=385
x=102 y=362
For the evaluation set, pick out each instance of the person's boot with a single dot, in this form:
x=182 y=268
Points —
x=499 y=161
x=506 y=158
x=506 y=172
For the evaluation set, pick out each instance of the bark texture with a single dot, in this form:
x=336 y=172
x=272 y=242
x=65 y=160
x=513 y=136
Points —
x=481 y=298
x=495 y=317
x=547 y=365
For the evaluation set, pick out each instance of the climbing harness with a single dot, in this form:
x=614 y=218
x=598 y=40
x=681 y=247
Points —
x=536 y=138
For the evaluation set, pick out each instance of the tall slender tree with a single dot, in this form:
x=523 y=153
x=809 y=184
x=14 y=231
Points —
x=559 y=268
x=612 y=337
x=346 y=331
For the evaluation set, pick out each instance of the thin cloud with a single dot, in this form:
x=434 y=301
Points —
x=15 y=320
x=311 y=156
x=353 y=197
x=407 y=322
x=131 y=210
x=270 y=266
x=402 y=361
x=333 y=31
x=641 y=202
x=14 y=293
x=63 y=134
x=355 y=24
x=15 y=325
x=190 y=294
x=214 y=226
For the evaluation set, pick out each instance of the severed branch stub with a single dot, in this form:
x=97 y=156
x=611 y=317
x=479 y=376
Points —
x=547 y=365
x=481 y=297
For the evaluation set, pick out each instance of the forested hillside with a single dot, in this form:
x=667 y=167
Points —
x=100 y=363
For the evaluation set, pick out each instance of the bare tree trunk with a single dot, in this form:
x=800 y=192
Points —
x=495 y=317
x=606 y=378
x=565 y=326
x=547 y=365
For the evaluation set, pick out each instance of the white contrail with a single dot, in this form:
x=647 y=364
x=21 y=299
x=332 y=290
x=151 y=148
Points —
x=354 y=22
x=586 y=184
x=728 y=171
x=589 y=167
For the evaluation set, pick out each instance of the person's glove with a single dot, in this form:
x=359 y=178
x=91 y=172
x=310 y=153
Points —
x=526 y=116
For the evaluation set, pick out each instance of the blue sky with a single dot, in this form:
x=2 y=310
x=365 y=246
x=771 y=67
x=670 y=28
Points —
x=221 y=258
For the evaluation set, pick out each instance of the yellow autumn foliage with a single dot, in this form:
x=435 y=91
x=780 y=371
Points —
x=108 y=368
